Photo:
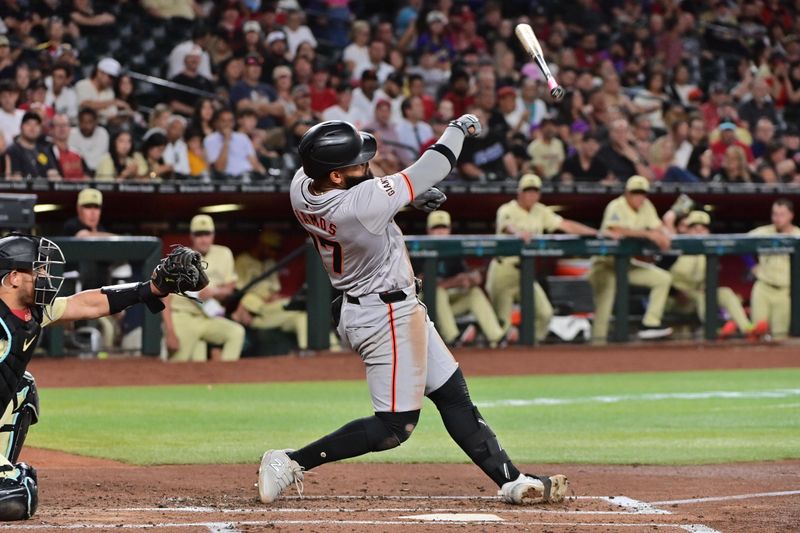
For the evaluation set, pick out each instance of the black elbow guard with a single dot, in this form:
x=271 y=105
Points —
x=123 y=296
x=445 y=151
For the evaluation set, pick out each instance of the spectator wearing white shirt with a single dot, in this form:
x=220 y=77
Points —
x=177 y=152
x=10 y=116
x=230 y=152
x=60 y=95
x=175 y=60
x=297 y=32
x=89 y=139
x=356 y=54
x=343 y=110
x=366 y=95
x=412 y=131
x=377 y=62
x=392 y=90
x=97 y=92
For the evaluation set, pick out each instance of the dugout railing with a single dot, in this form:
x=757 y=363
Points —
x=429 y=250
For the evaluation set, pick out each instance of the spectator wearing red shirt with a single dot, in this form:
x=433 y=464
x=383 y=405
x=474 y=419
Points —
x=459 y=92
x=467 y=37
x=727 y=137
x=322 y=96
x=718 y=97
x=70 y=163
x=416 y=86
x=586 y=55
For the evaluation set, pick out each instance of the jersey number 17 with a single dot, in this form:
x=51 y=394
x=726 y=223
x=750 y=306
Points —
x=335 y=250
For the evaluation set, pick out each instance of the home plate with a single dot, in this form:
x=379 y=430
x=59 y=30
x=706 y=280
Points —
x=455 y=517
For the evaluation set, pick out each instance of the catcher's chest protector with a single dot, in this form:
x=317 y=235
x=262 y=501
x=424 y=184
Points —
x=21 y=339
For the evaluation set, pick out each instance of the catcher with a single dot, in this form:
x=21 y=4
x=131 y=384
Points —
x=28 y=302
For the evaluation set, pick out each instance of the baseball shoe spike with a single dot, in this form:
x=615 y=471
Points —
x=276 y=473
x=527 y=489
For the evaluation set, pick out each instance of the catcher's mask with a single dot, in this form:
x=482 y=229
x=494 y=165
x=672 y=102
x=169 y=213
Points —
x=35 y=255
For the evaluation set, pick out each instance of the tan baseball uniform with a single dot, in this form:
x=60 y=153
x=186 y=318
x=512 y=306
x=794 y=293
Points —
x=689 y=277
x=503 y=277
x=263 y=300
x=770 y=298
x=196 y=325
x=619 y=214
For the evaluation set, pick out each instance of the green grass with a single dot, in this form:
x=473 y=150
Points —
x=235 y=423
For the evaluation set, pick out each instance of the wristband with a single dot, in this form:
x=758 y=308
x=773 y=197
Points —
x=123 y=296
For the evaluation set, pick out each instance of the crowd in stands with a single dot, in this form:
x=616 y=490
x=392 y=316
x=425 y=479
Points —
x=689 y=91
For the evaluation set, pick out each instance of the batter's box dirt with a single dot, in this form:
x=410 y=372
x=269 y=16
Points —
x=108 y=496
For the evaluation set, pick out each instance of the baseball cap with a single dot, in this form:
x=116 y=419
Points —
x=438 y=218
x=506 y=91
x=4 y=41
x=698 y=217
x=251 y=25
x=110 y=66
x=637 y=184
x=436 y=16
x=396 y=77
x=253 y=59
x=90 y=197
x=31 y=115
x=529 y=181
x=275 y=36
x=301 y=90
x=383 y=102
x=201 y=224
x=727 y=126
x=369 y=74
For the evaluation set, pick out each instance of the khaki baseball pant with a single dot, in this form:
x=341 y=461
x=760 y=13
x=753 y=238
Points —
x=193 y=331
x=640 y=274
x=502 y=285
x=451 y=303
x=773 y=304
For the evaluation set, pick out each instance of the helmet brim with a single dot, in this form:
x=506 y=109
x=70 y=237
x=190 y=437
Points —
x=368 y=149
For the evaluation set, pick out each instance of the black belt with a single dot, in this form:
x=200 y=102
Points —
x=386 y=297
x=389 y=297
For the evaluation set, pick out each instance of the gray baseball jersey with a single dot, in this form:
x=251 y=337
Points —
x=364 y=254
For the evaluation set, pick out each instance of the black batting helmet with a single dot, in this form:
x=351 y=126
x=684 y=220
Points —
x=34 y=254
x=334 y=144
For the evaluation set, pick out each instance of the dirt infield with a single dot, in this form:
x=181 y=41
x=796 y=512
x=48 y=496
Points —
x=78 y=493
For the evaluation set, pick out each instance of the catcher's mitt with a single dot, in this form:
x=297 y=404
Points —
x=183 y=270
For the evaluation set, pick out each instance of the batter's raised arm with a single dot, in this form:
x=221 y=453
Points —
x=438 y=160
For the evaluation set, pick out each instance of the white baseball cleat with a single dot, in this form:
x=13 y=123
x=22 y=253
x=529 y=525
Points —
x=276 y=473
x=528 y=489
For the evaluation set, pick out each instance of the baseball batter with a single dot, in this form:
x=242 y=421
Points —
x=349 y=215
x=770 y=299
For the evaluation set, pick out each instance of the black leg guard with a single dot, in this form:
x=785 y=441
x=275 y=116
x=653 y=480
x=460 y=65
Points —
x=467 y=428
x=24 y=414
x=19 y=495
x=383 y=431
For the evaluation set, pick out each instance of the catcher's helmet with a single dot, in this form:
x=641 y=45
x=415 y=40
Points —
x=37 y=255
x=334 y=144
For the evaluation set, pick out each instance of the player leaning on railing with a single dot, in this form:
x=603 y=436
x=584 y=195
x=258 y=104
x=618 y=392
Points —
x=349 y=215
x=28 y=303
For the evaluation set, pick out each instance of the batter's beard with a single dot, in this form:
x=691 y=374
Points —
x=352 y=181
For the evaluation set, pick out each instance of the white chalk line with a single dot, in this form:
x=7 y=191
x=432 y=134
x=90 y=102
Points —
x=289 y=510
x=729 y=498
x=654 y=396
x=230 y=526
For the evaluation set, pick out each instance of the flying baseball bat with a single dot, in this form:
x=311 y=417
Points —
x=531 y=44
